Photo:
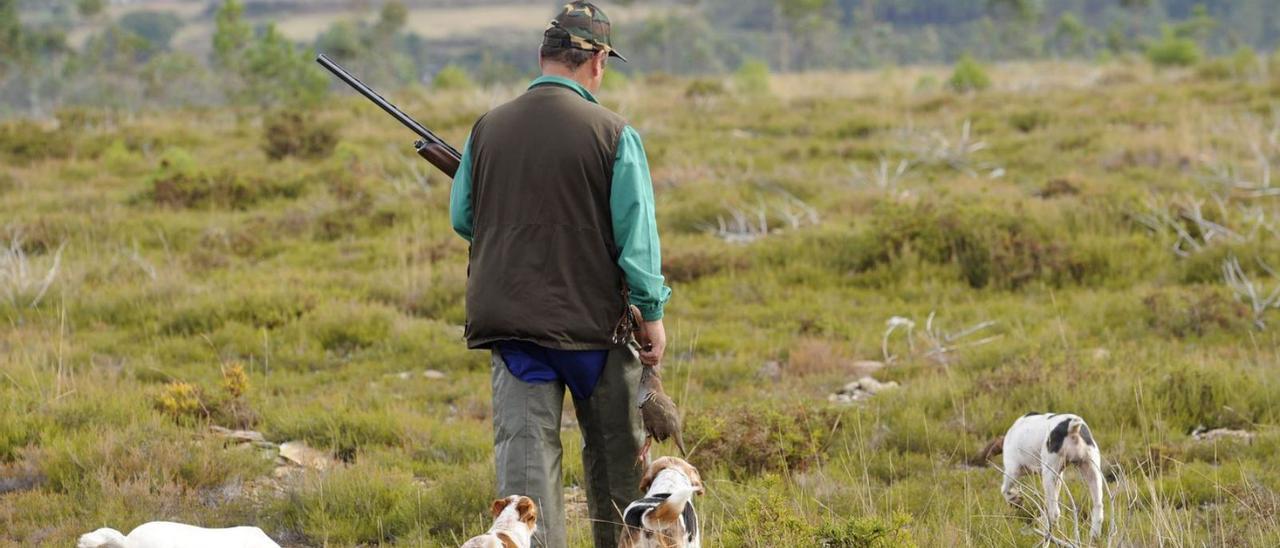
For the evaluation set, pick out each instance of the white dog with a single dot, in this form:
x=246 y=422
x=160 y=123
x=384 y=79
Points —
x=665 y=517
x=515 y=520
x=1047 y=443
x=165 y=534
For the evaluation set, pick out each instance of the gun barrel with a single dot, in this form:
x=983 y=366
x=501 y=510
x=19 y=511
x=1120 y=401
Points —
x=385 y=105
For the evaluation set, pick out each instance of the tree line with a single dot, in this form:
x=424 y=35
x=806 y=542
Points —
x=131 y=60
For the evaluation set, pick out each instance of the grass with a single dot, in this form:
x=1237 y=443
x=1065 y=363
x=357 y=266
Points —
x=195 y=281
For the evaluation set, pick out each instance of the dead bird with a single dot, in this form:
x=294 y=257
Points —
x=661 y=418
x=657 y=410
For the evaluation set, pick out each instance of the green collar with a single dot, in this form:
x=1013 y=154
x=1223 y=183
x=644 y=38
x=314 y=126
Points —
x=562 y=81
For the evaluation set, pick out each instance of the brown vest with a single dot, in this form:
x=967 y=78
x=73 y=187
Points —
x=543 y=259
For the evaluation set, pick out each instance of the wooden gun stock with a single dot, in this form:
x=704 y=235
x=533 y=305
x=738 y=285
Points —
x=440 y=156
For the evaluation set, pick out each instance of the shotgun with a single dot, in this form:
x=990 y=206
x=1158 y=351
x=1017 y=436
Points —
x=430 y=147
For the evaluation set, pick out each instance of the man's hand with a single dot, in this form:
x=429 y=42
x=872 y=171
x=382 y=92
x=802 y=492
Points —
x=655 y=343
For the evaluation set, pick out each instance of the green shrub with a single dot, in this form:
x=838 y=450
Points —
x=704 y=88
x=452 y=77
x=17 y=431
x=1030 y=120
x=927 y=82
x=1195 y=311
x=1192 y=397
x=361 y=505
x=346 y=327
x=119 y=159
x=766 y=521
x=226 y=188
x=1194 y=484
x=752 y=77
x=988 y=245
x=868 y=532
x=615 y=80
x=1173 y=51
x=751 y=440
x=969 y=75
x=25 y=140
x=343 y=431
x=292 y=133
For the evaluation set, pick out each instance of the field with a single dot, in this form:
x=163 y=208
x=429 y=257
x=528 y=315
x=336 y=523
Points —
x=1074 y=239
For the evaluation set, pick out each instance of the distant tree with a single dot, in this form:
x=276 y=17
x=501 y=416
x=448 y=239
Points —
x=752 y=77
x=1018 y=34
x=1199 y=27
x=493 y=70
x=158 y=27
x=12 y=39
x=969 y=75
x=804 y=20
x=276 y=74
x=452 y=77
x=342 y=40
x=392 y=18
x=1070 y=35
x=90 y=8
x=1173 y=50
x=231 y=35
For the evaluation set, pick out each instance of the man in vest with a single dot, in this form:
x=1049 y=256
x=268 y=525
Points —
x=554 y=194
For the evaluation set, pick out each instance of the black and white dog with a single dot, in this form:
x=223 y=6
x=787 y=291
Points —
x=1047 y=443
x=665 y=517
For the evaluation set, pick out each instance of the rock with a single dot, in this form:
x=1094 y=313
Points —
x=861 y=389
x=1202 y=434
x=433 y=374
x=771 y=370
x=300 y=454
x=240 y=436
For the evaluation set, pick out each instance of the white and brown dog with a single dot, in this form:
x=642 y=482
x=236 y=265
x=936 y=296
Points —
x=165 y=534
x=664 y=517
x=1047 y=443
x=515 y=518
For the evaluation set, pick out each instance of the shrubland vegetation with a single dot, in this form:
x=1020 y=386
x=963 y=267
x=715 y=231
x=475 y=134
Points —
x=1098 y=239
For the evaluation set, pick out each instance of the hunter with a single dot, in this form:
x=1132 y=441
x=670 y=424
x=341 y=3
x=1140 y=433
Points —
x=553 y=193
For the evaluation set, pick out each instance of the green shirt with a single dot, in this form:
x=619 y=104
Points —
x=635 y=227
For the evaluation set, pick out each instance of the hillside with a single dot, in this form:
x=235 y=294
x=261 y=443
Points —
x=1077 y=238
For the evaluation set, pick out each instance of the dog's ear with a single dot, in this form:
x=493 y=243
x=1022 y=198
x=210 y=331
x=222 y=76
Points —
x=651 y=473
x=528 y=512
x=695 y=478
x=498 y=506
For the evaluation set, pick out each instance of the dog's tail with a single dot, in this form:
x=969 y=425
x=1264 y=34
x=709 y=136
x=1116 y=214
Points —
x=993 y=448
x=670 y=509
x=105 y=537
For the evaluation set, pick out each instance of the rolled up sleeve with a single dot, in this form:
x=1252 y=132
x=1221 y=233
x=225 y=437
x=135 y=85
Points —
x=460 y=214
x=635 y=227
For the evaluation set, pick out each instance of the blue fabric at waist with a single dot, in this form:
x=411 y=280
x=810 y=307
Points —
x=579 y=370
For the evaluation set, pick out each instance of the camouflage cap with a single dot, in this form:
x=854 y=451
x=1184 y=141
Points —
x=580 y=25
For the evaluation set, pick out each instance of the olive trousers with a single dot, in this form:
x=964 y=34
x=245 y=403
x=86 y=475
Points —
x=527 y=450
